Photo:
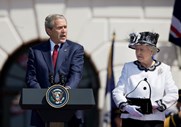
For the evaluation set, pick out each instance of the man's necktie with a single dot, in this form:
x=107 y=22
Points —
x=55 y=55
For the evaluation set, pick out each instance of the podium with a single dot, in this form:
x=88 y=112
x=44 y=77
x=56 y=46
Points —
x=79 y=99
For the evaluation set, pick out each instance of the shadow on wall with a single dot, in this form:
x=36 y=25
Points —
x=167 y=55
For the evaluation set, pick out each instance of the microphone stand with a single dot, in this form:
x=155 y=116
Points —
x=62 y=79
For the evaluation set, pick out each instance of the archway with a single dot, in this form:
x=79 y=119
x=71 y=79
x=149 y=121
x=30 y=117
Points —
x=12 y=79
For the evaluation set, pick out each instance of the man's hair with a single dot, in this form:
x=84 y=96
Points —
x=49 y=20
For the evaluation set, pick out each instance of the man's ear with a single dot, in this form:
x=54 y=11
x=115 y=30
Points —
x=48 y=31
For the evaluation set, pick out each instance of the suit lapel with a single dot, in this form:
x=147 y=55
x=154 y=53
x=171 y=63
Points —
x=47 y=56
x=62 y=55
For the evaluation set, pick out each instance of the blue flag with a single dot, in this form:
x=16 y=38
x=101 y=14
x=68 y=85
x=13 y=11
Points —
x=175 y=28
x=109 y=105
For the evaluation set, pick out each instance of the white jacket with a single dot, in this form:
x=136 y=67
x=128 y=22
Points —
x=160 y=86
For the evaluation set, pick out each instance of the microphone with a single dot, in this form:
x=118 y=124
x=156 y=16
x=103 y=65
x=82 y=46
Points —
x=51 y=79
x=63 y=79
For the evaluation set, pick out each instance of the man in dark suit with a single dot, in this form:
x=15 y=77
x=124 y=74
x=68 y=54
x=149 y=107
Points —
x=45 y=69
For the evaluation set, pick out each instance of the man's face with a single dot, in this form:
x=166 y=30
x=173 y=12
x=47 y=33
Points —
x=58 y=33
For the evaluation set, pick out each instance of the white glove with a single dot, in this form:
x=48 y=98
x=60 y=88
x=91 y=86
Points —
x=154 y=106
x=131 y=109
x=159 y=105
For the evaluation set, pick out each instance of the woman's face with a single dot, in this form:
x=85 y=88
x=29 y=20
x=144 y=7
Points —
x=143 y=53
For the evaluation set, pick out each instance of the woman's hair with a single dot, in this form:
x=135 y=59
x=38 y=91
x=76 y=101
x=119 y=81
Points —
x=153 y=48
x=49 y=20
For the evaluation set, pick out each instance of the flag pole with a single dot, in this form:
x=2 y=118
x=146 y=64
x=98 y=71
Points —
x=109 y=109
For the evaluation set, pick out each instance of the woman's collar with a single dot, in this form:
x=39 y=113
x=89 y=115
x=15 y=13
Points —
x=152 y=68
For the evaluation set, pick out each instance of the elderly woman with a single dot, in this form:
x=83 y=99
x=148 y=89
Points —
x=145 y=88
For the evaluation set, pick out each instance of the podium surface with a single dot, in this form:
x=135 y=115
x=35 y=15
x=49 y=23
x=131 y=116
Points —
x=79 y=99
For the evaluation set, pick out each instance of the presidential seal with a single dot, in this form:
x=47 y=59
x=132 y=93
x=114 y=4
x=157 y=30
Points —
x=57 y=96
